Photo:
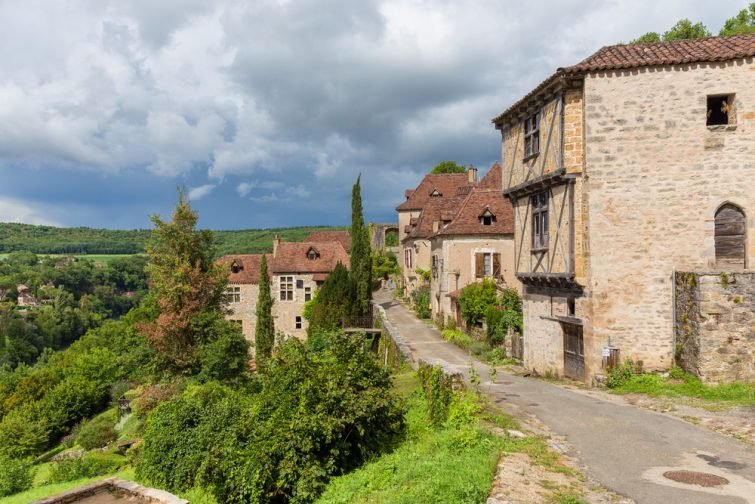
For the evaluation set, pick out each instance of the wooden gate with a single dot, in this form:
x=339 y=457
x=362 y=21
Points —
x=730 y=237
x=574 y=351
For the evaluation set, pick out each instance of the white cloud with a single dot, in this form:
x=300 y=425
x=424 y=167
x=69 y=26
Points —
x=14 y=210
x=244 y=188
x=197 y=193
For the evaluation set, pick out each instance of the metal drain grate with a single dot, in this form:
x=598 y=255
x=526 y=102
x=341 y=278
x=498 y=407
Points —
x=696 y=478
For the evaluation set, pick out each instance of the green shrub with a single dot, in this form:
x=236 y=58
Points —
x=421 y=302
x=438 y=391
x=23 y=433
x=475 y=299
x=676 y=373
x=15 y=476
x=97 y=432
x=226 y=357
x=458 y=338
x=88 y=466
x=620 y=374
x=496 y=355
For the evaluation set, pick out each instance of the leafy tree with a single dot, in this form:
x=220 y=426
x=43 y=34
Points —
x=648 y=38
x=475 y=299
x=264 y=333
x=189 y=285
x=361 y=257
x=505 y=315
x=448 y=167
x=15 y=476
x=741 y=24
x=684 y=29
x=332 y=301
x=226 y=357
x=384 y=264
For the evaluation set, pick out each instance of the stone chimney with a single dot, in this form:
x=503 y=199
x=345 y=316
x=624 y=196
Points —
x=276 y=242
x=436 y=226
x=472 y=174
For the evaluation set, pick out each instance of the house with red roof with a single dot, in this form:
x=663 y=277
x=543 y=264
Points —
x=623 y=170
x=296 y=270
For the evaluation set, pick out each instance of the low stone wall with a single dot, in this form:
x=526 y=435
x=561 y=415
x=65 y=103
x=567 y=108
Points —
x=392 y=350
x=715 y=324
x=116 y=486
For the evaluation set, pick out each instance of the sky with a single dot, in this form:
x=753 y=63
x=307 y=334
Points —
x=267 y=111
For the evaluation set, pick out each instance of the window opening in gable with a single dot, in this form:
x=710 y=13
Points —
x=532 y=135
x=435 y=194
x=720 y=110
x=235 y=267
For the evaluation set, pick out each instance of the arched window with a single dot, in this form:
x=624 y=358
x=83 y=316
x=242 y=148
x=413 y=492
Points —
x=730 y=237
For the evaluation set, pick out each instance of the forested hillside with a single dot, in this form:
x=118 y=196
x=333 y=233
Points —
x=82 y=240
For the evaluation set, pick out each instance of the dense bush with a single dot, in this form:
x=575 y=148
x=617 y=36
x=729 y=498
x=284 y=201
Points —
x=458 y=338
x=421 y=302
x=15 y=476
x=97 y=432
x=88 y=466
x=620 y=374
x=317 y=414
x=226 y=357
x=476 y=299
x=504 y=315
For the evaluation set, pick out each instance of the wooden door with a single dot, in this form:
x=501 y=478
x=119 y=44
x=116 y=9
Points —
x=730 y=237
x=574 y=351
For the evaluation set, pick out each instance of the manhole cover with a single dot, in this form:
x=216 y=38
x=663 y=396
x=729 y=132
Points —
x=696 y=478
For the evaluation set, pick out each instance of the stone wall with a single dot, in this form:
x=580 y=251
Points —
x=656 y=174
x=715 y=325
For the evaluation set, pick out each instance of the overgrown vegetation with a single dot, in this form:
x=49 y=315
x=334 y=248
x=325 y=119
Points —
x=421 y=302
x=448 y=167
x=740 y=24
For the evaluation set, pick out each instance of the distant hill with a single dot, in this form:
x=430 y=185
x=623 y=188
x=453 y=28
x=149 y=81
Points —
x=83 y=240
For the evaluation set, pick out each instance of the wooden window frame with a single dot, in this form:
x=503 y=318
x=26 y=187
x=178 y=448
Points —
x=532 y=135
x=540 y=236
x=286 y=288
x=493 y=270
x=233 y=294
x=307 y=294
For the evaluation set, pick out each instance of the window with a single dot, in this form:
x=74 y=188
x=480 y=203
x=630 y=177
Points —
x=408 y=257
x=571 y=308
x=307 y=293
x=312 y=254
x=532 y=135
x=300 y=284
x=435 y=266
x=487 y=217
x=487 y=264
x=539 y=204
x=720 y=110
x=729 y=235
x=298 y=322
x=233 y=294
x=435 y=193
x=287 y=288
x=236 y=267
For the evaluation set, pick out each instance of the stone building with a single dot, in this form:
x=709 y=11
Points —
x=296 y=270
x=471 y=242
x=414 y=251
x=635 y=163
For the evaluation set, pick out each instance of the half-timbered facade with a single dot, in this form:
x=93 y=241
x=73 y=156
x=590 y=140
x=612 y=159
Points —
x=633 y=163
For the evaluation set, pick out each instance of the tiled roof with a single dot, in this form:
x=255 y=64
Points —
x=445 y=183
x=292 y=257
x=467 y=219
x=623 y=56
x=432 y=212
x=343 y=237
x=493 y=179
x=249 y=264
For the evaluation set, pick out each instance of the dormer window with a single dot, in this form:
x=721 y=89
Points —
x=487 y=218
x=312 y=254
x=236 y=267
x=435 y=193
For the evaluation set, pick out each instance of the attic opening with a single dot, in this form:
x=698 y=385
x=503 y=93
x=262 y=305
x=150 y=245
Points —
x=720 y=110
x=487 y=218
x=435 y=193
x=312 y=254
x=236 y=267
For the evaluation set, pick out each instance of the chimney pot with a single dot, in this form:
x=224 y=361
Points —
x=276 y=242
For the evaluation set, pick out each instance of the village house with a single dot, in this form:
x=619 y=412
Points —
x=26 y=298
x=414 y=248
x=634 y=164
x=296 y=270
x=472 y=242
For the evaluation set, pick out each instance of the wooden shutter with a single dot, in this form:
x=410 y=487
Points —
x=479 y=265
x=496 y=265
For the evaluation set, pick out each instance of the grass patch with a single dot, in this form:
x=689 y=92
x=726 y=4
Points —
x=538 y=452
x=688 y=386
x=44 y=491
x=453 y=464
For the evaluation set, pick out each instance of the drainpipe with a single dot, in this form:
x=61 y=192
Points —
x=673 y=316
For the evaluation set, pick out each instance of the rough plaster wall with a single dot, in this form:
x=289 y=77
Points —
x=285 y=312
x=421 y=258
x=246 y=310
x=657 y=175
x=543 y=340
x=715 y=327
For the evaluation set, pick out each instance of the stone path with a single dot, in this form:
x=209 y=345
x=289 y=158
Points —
x=626 y=449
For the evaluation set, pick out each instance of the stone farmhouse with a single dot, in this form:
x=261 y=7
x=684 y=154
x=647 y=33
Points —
x=414 y=246
x=460 y=237
x=296 y=269
x=623 y=170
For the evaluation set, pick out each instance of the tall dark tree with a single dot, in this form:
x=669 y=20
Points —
x=332 y=301
x=264 y=333
x=361 y=257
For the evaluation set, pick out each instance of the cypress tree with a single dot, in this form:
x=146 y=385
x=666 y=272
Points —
x=361 y=259
x=264 y=333
x=332 y=301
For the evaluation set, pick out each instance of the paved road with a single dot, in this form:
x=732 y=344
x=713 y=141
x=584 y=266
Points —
x=626 y=449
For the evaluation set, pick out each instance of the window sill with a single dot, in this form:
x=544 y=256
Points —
x=531 y=156
x=722 y=127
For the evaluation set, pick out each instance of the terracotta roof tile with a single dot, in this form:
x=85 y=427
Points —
x=467 y=219
x=292 y=257
x=343 y=237
x=445 y=183
x=493 y=179
x=622 y=56
x=431 y=213
x=249 y=267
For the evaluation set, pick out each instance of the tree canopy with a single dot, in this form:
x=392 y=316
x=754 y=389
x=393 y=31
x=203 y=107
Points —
x=740 y=24
x=448 y=167
x=264 y=333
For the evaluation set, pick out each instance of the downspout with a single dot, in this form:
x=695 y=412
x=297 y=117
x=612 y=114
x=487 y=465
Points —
x=673 y=316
